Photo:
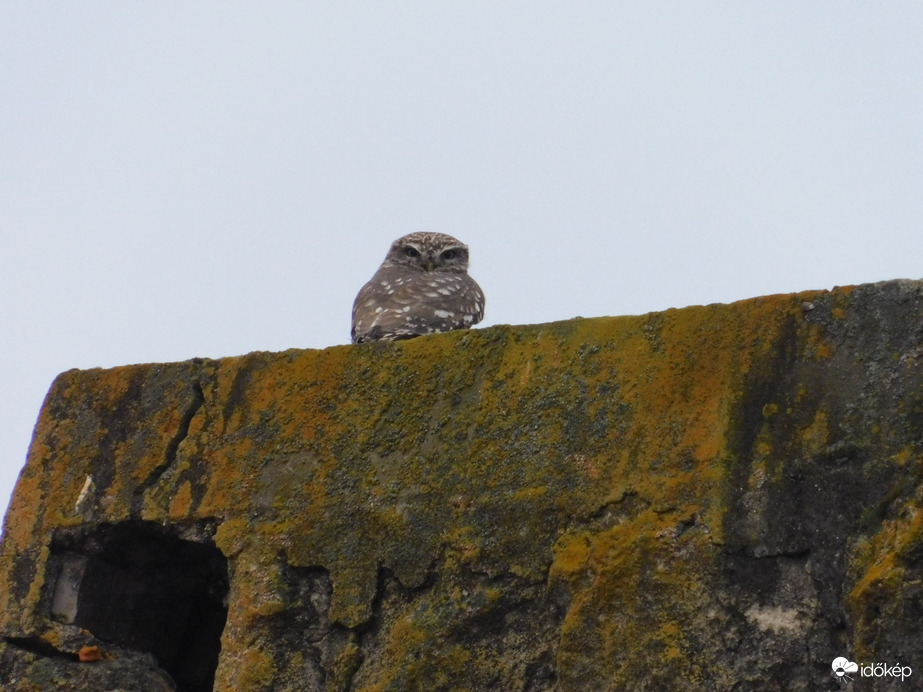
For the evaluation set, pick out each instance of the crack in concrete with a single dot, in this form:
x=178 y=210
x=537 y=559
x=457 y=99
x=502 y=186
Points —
x=39 y=647
x=182 y=431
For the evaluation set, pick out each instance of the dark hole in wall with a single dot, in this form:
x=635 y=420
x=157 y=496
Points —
x=137 y=585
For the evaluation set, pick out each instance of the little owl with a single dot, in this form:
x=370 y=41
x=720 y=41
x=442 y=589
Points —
x=422 y=287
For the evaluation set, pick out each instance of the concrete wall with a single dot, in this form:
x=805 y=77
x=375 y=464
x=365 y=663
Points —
x=712 y=498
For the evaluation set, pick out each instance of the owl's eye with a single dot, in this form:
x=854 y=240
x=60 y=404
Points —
x=411 y=251
x=449 y=254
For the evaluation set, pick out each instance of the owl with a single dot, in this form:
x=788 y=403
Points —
x=422 y=287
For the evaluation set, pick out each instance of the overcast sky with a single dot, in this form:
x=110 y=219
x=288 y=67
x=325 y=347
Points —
x=182 y=179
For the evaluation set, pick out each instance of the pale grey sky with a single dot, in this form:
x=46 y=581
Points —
x=182 y=179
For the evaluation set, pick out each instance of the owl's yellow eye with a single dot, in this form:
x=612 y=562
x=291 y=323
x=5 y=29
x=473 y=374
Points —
x=411 y=251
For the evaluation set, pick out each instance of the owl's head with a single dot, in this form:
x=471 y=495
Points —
x=432 y=252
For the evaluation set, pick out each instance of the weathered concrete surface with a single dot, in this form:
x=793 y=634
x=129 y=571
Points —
x=715 y=498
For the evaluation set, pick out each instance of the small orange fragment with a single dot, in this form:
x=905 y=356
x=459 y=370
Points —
x=89 y=653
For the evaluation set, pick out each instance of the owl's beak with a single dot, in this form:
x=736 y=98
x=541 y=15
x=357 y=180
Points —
x=430 y=265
